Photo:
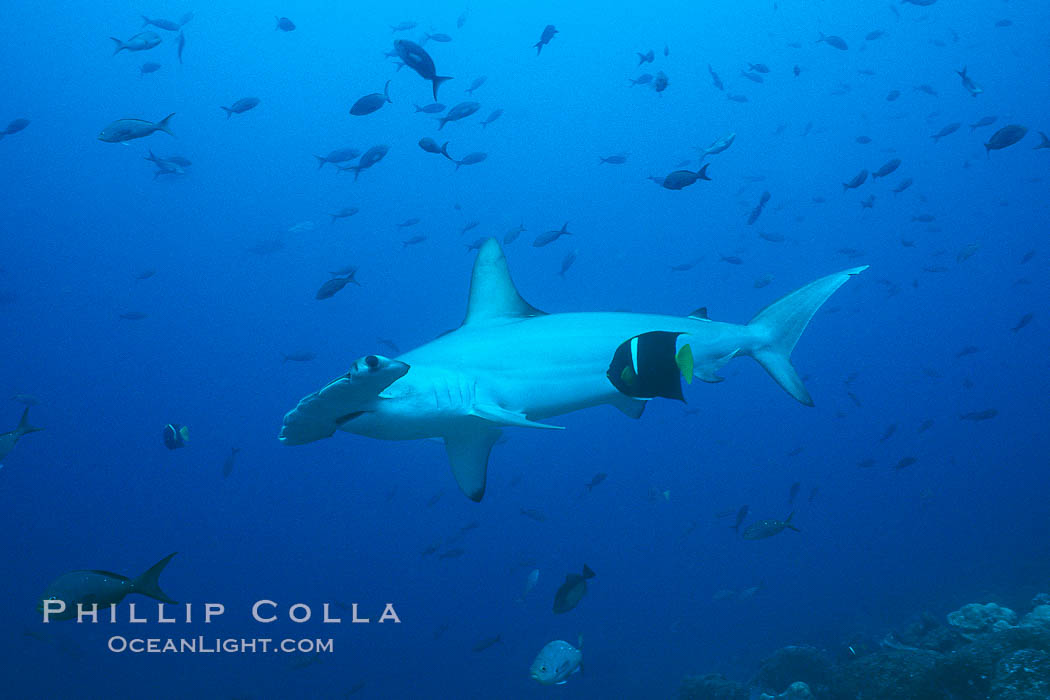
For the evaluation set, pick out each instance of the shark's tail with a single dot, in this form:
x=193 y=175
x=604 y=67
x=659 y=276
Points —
x=778 y=327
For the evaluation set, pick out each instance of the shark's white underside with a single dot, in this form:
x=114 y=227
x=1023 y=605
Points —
x=512 y=365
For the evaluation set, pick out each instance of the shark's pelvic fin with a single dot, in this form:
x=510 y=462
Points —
x=501 y=416
x=468 y=453
x=493 y=295
x=630 y=407
x=778 y=327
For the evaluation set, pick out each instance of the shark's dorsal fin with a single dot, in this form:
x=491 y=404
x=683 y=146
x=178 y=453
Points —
x=492 y=292
x=700 y=313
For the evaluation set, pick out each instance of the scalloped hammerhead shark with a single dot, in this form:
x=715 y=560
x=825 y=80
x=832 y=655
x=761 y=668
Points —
x=511 y=365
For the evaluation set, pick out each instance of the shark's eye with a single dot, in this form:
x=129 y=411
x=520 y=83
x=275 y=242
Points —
x=372 y=361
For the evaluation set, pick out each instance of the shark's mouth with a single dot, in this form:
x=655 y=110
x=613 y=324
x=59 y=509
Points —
x=646 y=366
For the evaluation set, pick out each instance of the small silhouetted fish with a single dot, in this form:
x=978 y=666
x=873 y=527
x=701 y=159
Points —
x=133 y=315
x=414 y=240
x=440 y=37
x=496 y=114
x=298 y=356
x=241 y=106
x=983 y=121
x=339 y=155
x=124 y=130
x=886 y=168
x=390 y=344
x=471 y=159
x=904 y=462
x=416 y=58
x=14 y=126
x=181 y=44
x=595 y=480
x=1027 y=256
x=372 y=156
x=616 y=159
x=452 y=554
x=149 y=67
x=572 y=590
x=892 y=95
x=948 y=129
x=371 y=103
x=863 y=140
x=646 y=57
x=854 y=399
x=165 y=24
x=833 y=41
x=925 y=425
x=533 y=514
x=683 y=267
x=143 y=41
x=877 y=34
x=549 y=237
x=284 y=24
x=902 y=185
x=430 y=549
x=772 y=237
x=966 y=252
x=890 y=430
x=403 y=26
x=335 y=285
x=741 y=515
x=512 y=235
x=1004 y=23
x=868 y=203
x=660 y=82
x=793 y=493
x=753 y=77
x=762 y=281
x=227 y=466
x=433 y=108
x=477 y=82
x=928 y=89
x=343 y=213
x=643 y=79
x=486 y=643
x=970 y=86
x=1007 y=136
x=737 y=98
x=714 y=78
x=409 y=222
x=460 y=111
x=680 y=179
x=976 y=416
x=866 y=463
x=767 y=528
x=545 y=38
x=145 y=274
x=858 y=180
x=430 y=146
x=1024 y=321
x=731 y=259
x=355 y=688
x=567 y=262
x=968 y=350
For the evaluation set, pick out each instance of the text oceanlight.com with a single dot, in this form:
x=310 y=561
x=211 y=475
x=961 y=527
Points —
x=216 y=645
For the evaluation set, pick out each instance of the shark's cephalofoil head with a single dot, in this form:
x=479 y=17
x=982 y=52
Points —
x=319 y=415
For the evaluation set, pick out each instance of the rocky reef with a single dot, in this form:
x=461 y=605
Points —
x=982 y=651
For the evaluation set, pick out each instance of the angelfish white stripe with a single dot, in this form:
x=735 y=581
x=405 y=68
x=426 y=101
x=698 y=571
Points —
x=634 y=354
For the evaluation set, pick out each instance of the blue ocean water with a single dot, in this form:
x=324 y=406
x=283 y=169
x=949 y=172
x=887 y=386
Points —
x=241 y=240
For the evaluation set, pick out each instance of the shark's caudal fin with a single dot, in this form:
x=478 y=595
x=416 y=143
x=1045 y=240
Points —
x=492 y=292
x=778 y=327
x=148 y=584
x=468 y=452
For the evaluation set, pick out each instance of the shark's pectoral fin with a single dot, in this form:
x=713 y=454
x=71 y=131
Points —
x=468 y=452
x=630 y=407
x=501 y=416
